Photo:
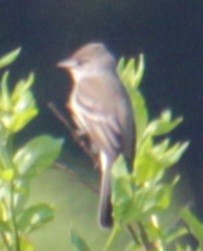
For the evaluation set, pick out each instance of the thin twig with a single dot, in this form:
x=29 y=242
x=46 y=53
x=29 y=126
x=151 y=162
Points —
x=14 y=222
x=79 y=141
x=145 y=240
x=93 y=188
x=74 y=133
x=59 y=116
x=133 y=234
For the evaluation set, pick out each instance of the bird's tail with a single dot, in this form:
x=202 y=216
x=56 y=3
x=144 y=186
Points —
x=105 y=207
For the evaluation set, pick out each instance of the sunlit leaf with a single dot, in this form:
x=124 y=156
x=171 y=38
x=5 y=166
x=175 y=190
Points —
x=37 y=155
x=147 y=168
x=22 y=87
x=144 y=202
x=19 y=120
x=3 y=209
x=173 y=154
x=5 y=102
x=35 y=217
x=9 y=57
x=19 y=107
x=163 y=125
x=121 y=65
x=26 y=244
x=140 y=113
x=7 y=174
x=139 y=70
x=131 y=71
x=22 y=191
x=121 y=188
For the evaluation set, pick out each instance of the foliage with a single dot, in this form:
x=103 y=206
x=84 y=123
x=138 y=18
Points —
x=139 y=197
x=142 y=197
x=18 y=167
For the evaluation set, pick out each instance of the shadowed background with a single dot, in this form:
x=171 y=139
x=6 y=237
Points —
x=169 y=32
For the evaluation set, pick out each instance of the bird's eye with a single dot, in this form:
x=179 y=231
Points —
x=81 y=62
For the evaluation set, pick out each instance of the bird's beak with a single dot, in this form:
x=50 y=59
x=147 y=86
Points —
x=66 y=64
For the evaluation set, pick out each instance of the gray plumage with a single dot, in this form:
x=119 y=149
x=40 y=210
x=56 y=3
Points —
x=101 y=107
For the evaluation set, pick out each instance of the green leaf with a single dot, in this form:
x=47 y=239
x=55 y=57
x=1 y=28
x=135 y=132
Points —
x=24 y=106
x=149 y=198
x=23 y=112
x=120 y=65
x=18 y=108
x=21 y=194
x=119 y=168
x=195 y=226
x=78 y=242
x=121 y=189
x=5 y=227
x=9 y=58
x=131 y=72
x=138 y=203
x=7 y=174
x=172 y=155
x=5 y=102
x=3 y=208
x=163 y=125
x=174 y=234
x=140 y=66
x=147 y=165
x=121 y=182
x=25 y=244
x=35 y=217
x=37 y=155
x=140 y=113
x=22 y=87
x=151 y=161
x=17 y=122
x=148 y=168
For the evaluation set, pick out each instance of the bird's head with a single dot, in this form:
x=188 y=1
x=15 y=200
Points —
x=91 y=59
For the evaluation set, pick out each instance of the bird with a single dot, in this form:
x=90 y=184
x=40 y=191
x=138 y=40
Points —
x=101 y=108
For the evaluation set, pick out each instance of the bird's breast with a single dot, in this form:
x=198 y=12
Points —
x=76 y=111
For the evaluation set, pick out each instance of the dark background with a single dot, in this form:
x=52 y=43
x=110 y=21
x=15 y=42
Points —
x=169 y=32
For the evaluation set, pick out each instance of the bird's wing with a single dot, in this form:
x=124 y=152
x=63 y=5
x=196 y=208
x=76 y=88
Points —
x=97 y=109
